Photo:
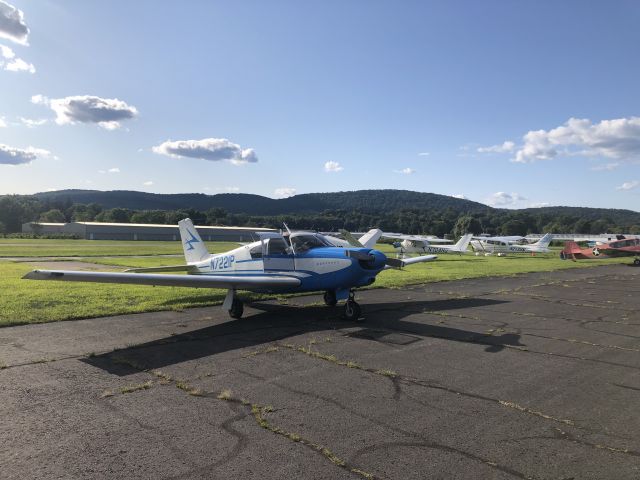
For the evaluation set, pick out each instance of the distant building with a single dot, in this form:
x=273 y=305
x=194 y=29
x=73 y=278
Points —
x=139 y=231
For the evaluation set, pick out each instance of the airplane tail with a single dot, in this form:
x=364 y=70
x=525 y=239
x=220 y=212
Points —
x=569 y=251
x=544 y=241
x=369 y=239
x=463 y=243
x=194 y=249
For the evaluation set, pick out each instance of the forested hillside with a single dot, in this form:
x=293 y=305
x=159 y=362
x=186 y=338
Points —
x=391 y=210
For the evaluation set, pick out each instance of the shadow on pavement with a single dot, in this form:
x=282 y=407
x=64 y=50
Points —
x=385 y=323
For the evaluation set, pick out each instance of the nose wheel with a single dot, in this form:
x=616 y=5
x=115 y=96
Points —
x=351 y=309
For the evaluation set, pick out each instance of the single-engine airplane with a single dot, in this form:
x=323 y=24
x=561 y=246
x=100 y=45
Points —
x=420 y=245
x=299 y=262
x=623 y=247
x=502 y=245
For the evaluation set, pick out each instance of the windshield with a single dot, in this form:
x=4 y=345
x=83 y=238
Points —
x=304 y=242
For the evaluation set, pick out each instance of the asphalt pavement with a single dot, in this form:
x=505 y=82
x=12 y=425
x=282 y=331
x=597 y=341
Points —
x=534 y=376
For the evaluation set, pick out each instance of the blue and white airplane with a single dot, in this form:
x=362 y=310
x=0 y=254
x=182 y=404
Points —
x=297 y=262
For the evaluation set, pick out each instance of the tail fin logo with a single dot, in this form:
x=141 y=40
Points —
x=191 y=241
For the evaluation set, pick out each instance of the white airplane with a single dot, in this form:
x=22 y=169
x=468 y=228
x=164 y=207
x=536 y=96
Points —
x=413 y=244
x=503 y=245
x=300 y=262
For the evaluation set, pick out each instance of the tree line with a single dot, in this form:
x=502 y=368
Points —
x=16 y=210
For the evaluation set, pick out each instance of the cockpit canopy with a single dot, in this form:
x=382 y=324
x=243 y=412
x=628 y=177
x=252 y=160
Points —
x=303 y=242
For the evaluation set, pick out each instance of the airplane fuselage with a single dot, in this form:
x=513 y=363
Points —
x=325 y=268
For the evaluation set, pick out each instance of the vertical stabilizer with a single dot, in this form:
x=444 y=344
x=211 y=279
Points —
x=369 y=239
x=544 y=241
x=463 y=243
x=194 y=249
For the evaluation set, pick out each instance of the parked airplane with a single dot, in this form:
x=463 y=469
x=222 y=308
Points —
x=299 y=262
x=412 y=244
x=502 y=245
x=624 y=247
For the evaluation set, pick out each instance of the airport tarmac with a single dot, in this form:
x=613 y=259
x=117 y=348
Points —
x=534 y=376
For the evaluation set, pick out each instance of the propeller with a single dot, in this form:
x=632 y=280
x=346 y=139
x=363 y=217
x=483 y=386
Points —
x=351 y=239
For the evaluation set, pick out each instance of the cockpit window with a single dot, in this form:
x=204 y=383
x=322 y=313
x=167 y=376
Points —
x=277 y=246
x=304 y=242
x=256 y=252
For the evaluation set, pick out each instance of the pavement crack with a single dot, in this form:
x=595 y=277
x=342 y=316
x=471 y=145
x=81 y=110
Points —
x=443 y=448
x=259 y=413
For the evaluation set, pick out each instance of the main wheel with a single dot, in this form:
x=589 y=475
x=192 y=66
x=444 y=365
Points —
x=237 y=308
x=330 y=298
x=351 y=311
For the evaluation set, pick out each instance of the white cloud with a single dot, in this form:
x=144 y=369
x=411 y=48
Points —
x=212 y=149
x=11 y=63
x=606 y=166
x=17 y=156
x=506 y=147
x=458 y=195
x=332 y=166
x=148 y=183
x=111 y=170
x=406 y=171
x=3 y=123
x=12 y=24
x=31 y=122
x=628 y=185
x=539 y=204
x=618 y=139
x=424 y=154
x=504 y=199
x=106 y=112
x=232 y=189
x=284 y=192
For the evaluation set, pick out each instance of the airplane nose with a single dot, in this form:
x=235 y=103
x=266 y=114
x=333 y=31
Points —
x=379 y=259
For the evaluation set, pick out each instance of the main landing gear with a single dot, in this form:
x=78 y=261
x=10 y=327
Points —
x=233 y=304
x=330 y=298
x=237 y=308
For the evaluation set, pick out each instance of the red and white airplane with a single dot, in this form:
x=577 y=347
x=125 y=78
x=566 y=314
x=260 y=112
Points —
x=623 y=247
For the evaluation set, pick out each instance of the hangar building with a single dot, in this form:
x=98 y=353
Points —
x=139 y=231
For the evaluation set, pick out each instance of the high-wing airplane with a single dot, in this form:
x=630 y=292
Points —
x=624 y=247
x=503 y=245
x=420 y=245
x=299 y=262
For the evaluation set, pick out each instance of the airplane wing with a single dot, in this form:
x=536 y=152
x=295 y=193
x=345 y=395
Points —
x=415 y=238
x=242 y=282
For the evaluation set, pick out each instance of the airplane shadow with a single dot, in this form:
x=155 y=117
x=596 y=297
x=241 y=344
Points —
x=384 y=323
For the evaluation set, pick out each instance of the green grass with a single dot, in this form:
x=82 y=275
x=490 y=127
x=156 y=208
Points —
x=457 y=267
x=23 y=301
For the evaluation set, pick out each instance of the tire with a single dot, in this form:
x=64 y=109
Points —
x=636 y=262
x=330 y=298
x=237 y=309
x=351 y=311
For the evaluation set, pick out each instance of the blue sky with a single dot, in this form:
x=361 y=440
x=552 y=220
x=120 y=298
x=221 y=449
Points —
x=504 y=102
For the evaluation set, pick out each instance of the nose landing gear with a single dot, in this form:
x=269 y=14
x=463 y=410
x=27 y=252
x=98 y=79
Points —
x=351 y=309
